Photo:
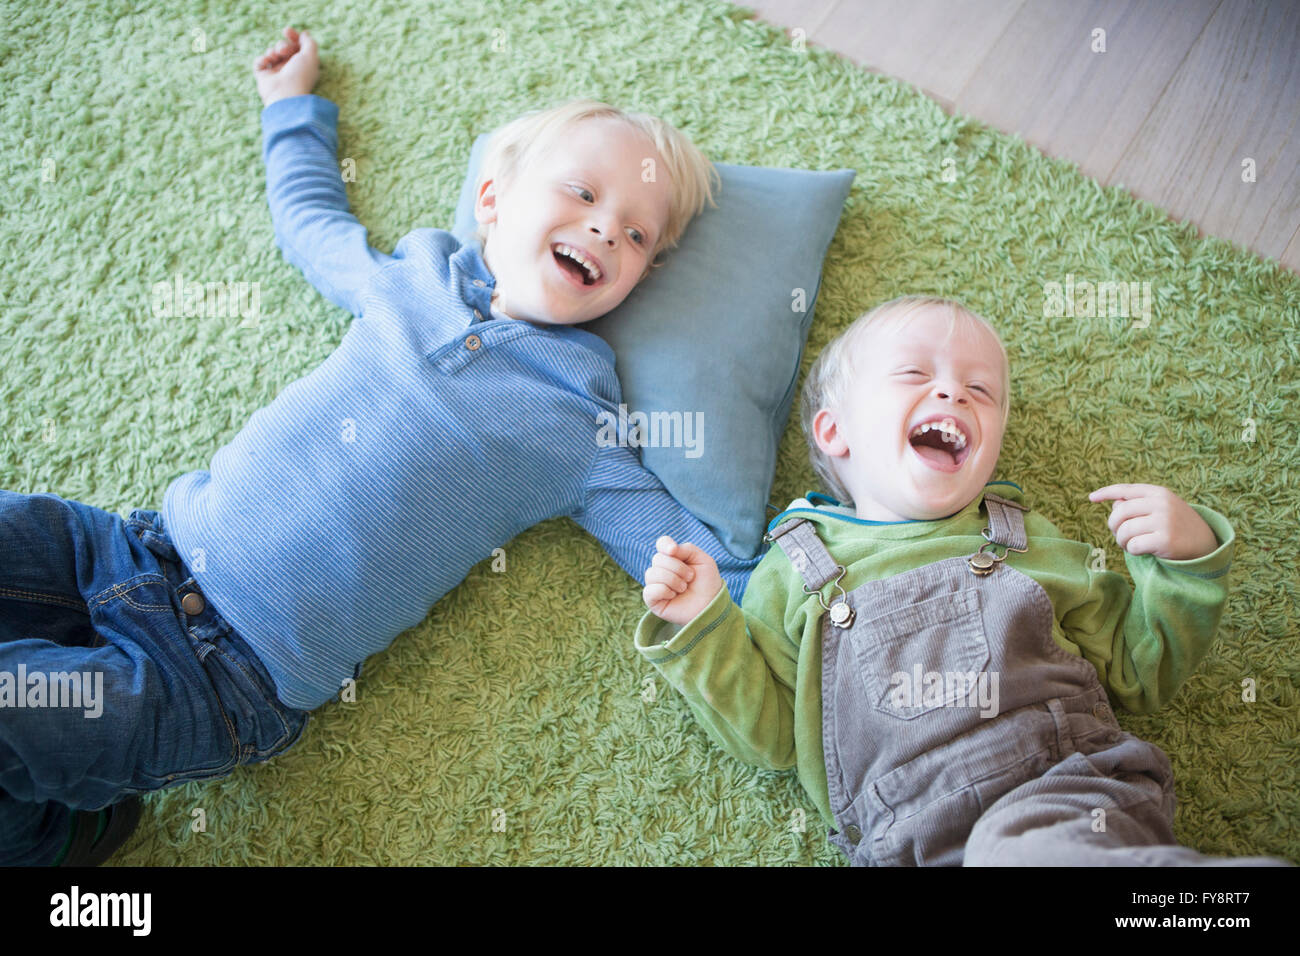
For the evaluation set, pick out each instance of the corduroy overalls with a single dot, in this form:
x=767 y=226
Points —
x=956 y=730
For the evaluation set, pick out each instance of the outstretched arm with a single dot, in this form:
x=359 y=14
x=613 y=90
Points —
x=736 y=668
x=309 y=206
x=628 y=508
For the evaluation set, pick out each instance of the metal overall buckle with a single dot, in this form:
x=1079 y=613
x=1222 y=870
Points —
x=981 y=563
x=841 y=614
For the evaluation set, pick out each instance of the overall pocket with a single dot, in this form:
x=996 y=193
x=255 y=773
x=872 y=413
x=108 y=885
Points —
x=923 y=811
x=923 y=656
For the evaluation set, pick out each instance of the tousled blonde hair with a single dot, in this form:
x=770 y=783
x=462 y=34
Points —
x=831 y=374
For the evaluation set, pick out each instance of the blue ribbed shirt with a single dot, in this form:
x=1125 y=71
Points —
x=432 y=435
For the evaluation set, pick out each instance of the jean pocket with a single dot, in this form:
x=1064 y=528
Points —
x=200 y=735
x=261 y=725
x=923 y=656
x=211 y=771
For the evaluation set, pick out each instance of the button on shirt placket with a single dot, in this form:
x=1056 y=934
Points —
x=472 y=341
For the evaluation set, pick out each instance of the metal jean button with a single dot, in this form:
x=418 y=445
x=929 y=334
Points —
x=193 y=603
x=853 y=833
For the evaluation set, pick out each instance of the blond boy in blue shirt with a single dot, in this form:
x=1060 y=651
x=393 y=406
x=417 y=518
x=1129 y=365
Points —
x=462 y=406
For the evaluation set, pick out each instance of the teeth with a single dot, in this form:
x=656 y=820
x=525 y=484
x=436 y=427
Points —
x=951 y=433
x=576 y=256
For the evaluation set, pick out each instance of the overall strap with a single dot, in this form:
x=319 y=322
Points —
x=1006 y=522
x=798 y=539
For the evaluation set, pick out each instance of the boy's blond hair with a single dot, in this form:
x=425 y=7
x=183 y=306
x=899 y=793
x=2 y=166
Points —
x=692 y=176
x=829 y=378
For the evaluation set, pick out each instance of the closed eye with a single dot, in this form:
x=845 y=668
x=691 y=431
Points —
x=917 y=371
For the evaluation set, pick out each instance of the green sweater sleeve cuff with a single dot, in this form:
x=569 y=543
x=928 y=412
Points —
x=659 y=640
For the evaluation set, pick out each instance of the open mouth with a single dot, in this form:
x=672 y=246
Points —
x=576 y=264
x=941 y=445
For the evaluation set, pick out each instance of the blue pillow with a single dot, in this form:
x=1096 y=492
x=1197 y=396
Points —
x=716 y=334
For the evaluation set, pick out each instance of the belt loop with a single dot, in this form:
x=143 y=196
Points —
x=1064 y=739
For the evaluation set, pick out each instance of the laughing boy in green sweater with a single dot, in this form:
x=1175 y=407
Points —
x=945 y=703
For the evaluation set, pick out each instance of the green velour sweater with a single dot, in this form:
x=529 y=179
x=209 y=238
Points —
x=752 y=675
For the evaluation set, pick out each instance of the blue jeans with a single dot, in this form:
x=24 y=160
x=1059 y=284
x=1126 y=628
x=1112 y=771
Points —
x=117 y=676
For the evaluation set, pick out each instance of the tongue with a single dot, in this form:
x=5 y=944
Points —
x=936 y=455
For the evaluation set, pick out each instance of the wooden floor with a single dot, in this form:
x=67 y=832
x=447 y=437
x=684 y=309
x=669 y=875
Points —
x=1187 y=98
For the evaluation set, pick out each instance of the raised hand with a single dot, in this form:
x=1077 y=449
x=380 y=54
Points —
x=288 y=68
x=1149 y=519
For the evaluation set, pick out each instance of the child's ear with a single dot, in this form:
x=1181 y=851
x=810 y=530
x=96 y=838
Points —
x=826 y=432
x=485 y=204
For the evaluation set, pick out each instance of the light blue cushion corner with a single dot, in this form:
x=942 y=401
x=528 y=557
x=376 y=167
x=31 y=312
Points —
x=463 y=228
x=714 y=337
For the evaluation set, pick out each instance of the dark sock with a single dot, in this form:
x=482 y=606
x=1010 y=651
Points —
x=72 y=832
x=101 y=824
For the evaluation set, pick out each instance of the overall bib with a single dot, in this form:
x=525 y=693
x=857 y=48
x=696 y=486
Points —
x=956 y=730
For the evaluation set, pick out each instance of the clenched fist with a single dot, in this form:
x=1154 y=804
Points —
x=288 y=68
x=680 y=582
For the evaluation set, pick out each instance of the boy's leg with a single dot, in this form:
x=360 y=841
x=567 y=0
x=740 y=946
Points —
x=1113 y=807
x=104 y=686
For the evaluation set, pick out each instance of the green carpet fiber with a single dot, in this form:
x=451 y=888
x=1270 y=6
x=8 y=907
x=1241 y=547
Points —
x=516 y=724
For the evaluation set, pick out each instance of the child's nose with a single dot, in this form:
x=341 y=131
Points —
x=948 y=390
x=607 y=232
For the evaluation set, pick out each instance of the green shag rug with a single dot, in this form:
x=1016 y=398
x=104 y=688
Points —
x=516 y=724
